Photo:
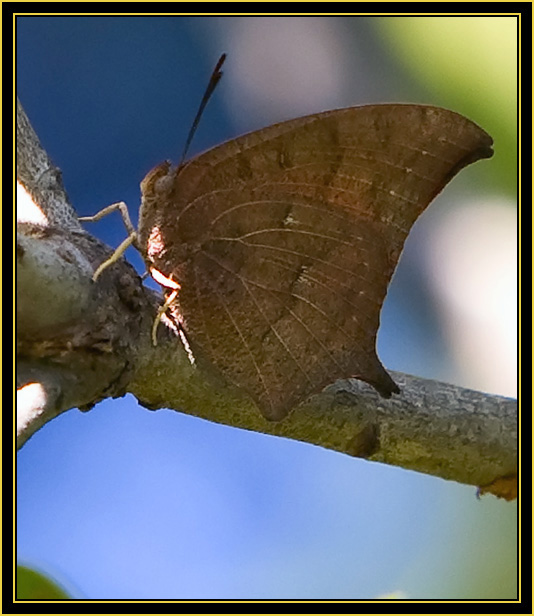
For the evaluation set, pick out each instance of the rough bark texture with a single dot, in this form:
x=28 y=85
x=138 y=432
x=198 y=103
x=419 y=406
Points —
x=79 y=342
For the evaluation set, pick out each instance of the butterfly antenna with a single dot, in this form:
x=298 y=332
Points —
x=214 y=80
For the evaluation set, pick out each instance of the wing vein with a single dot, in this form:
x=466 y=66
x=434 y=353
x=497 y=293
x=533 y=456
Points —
x=245 y=344
x=258 y=307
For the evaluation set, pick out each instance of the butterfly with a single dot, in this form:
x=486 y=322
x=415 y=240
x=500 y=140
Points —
x=276 y=249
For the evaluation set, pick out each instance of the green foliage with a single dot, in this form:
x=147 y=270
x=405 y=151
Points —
x=35 y=586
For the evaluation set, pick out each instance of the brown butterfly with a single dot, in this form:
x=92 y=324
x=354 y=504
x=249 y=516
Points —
x=279 y=245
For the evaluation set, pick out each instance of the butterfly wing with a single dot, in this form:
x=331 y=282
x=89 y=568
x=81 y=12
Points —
x=284 y=240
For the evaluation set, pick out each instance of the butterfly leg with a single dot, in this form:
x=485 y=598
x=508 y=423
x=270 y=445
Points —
x=131 y=239
x=161 y=311
x=168 y=283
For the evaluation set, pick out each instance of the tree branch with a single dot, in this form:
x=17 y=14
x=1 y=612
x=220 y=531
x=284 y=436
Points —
x=79 y=342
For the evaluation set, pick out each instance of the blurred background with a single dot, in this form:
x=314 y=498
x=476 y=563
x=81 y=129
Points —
x=123 y=503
